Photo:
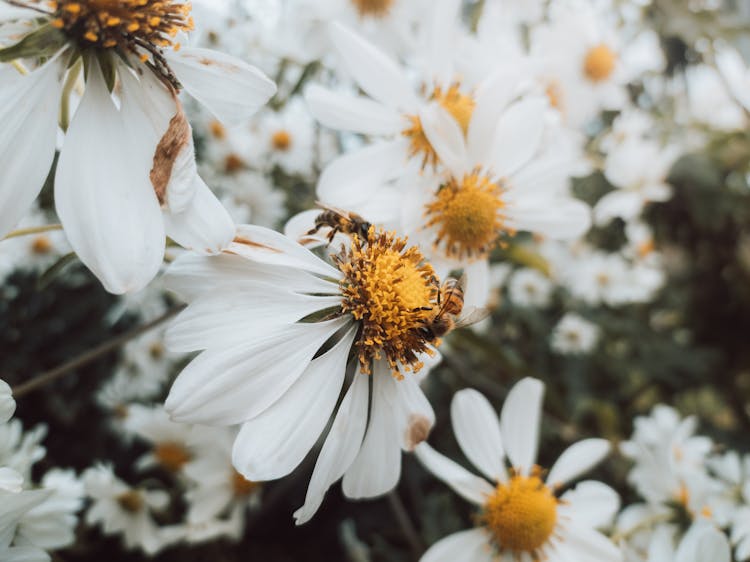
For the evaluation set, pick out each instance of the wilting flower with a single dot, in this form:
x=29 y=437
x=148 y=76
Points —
x=278 y=327
x=126 y=174
x=522 y=514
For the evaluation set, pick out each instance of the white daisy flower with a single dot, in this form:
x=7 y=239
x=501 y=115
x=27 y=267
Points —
x=288 y=137
x=521 y=517
x=128 y=132
x=263 y=325
x=574 y=335
x=172 y=443
x=51 y=525
x=529 y=287
x=14 y=506
x=120 y=509
x=217 y=492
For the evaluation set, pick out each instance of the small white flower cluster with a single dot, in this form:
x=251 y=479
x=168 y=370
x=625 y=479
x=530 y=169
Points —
x=696 y=501
x=34 y=518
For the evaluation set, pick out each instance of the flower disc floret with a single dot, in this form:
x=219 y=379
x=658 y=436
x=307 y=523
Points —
x=123 y=23
x=468 y=216
x=599 y=63
x=172 y=456
x=373 y=8
x=521 y=515
x=459 y=105
x=393 y=293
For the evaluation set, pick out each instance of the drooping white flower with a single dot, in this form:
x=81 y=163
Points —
x=522 y=517
x=134 y=138
x=263 y=313
x=7 y=404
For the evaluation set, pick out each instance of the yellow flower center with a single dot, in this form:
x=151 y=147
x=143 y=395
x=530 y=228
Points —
x=123 y=23
x=373 y=8
x=233 y=163
x=392 y=292
x=521 y=515
x=281 y=140
x=468 y=216
x=41 y=245
x=131 y=501
x=599 y=63
x=241 y=486
x=459 y=105
x=218 y=131
x=172 y=456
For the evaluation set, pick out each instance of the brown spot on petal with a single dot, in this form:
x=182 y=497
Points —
x=246 y=242
x=418 y=431
x=168 y=150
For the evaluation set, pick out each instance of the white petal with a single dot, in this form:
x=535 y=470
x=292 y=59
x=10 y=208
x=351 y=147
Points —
x=190 y=275
x=10 y=480
x=340 y=448
x=468 y=486
x=520 y=423
x=626 y=205
x=23 y=554
x=586 y=545
x=447 y=139
x=559 y=218
x=350 y=180
x=518 y=136
x=377 y=468
x=477 y=290
x=348 y=113
x=103 y=194
x=442 y=36
x=273 y=444
x=703 y=543
x=229 y=87
x=591 y=504
x=466 y=546
x=227 y=387
x=28 y=112
x=477 y=431
x=267 y=246
x=492 y=97
x=297 y=228
x=416 y=416
x=377 y=74
x=577 y=460
x=204 y=226
x=215 y=321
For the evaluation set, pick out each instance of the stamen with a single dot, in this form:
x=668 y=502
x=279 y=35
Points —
x=390 y=289
x=599 y=63
x=373 y=8
x=468 y=216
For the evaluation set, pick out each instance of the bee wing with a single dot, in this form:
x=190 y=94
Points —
x=340 y=212
x=472 y=316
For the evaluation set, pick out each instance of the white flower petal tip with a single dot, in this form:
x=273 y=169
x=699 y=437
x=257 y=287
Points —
x=577 y=460
x=520 y=423
x=103 y=194
x=477 y=430
x=229 y=87
x=467 y=485
x=466 y=546
x=204 y=226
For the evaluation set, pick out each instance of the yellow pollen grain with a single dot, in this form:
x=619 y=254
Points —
x=521 y=515
x=281 y=140
x=468 y=216
x=241 y=486
x=459 y=105
x=392 y=292
x=373 y=8
x=172 y=456
x=599 y=63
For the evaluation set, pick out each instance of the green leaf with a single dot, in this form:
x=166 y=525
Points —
x=44 y=42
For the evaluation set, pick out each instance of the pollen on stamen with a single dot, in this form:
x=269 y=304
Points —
x=468 y=216
x=128 y=24
x=393 y=292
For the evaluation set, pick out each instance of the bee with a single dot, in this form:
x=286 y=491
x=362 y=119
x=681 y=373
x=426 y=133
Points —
x=340 y=221
x=451 y=313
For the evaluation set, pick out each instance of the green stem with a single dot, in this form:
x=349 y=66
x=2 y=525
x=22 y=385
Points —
x=33 y=230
